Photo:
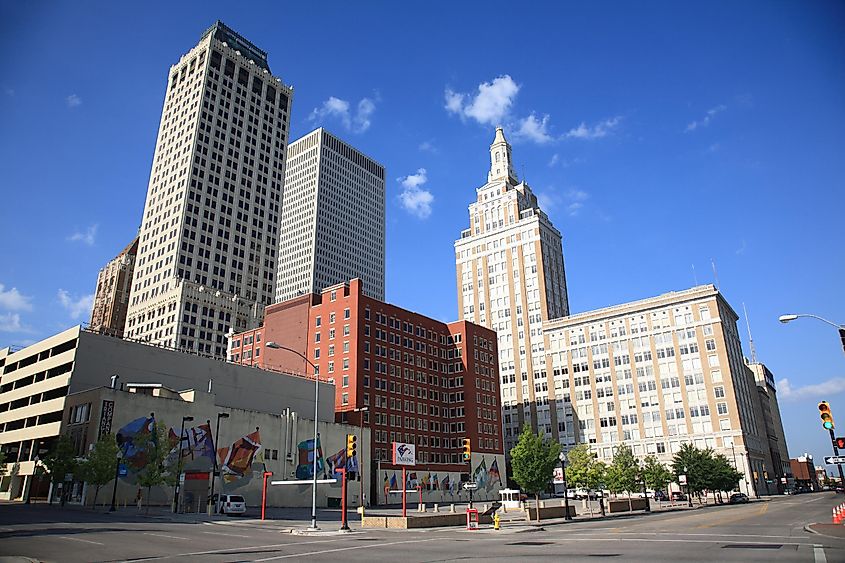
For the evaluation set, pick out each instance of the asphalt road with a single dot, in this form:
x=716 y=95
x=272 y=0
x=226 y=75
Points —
x=770 y=530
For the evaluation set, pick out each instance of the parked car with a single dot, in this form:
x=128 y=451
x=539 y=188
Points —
x=678 y=495
x=660 y=495
x=738 y=498
x=229 y=504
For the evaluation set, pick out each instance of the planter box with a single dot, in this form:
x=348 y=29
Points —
x=549 y=511
x=410 y=522
x=621 y=505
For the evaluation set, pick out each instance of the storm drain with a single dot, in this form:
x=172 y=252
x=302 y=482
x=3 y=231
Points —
x=753 y=546
x=531 y=543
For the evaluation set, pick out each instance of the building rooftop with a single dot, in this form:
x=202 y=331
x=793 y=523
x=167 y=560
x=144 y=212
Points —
x=237 y=41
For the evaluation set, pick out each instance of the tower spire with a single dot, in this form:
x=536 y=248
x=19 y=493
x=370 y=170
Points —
x=501 y=161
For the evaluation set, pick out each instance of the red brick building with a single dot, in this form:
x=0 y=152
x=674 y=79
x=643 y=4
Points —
x=423 y=381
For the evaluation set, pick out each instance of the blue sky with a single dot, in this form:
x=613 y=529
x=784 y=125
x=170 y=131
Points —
x=662 y=138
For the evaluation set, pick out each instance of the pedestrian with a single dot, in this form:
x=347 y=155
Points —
x=138 y=498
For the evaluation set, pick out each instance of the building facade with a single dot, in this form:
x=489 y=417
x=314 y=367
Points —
x=111 y=300
x=210 y=230
x=37 y=380
x=653 y=374
x=510 y=278
x=284 y=437
x=333 y=218
x=421 y=381
x=771 y=427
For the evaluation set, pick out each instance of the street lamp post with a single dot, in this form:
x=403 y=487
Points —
x=215 y=470
x=361 y=410
x=275 y=346
x=689 y=496
x=178 y=484
x=112 y=508
x=841 y=329
x=562 y=457
x=641 y=477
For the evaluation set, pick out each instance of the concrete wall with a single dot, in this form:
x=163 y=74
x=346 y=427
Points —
x=99 y=356
x=281 y=433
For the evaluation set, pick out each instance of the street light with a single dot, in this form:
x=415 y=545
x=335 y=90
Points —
x=275 y=346
x=641 y=477
x=179 y=465
x=562 y=457
x=689 y=496
x=214 y=470
x=361 y=410
x=841 y=328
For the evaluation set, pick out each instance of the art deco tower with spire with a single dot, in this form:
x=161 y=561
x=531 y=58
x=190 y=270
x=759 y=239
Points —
x=510 y=278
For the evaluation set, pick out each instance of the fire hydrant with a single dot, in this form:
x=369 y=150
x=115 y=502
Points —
x=496 y=521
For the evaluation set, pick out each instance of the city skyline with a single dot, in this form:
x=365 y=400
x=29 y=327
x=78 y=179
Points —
x=607 y=170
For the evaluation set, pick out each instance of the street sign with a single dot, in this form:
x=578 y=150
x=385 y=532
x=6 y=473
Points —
x=470 y=486
x=404 y=454
x=834 y=459
x=682 y=479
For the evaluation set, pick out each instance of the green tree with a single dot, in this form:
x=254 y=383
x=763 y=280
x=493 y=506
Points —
x=622 y=473
x=723 y=475
x=156 y=471
x=533 y=460
x=61 y=461
x=583 y=470
x=655 y=474
x=99 y=467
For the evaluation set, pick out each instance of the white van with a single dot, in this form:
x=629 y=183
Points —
x=230 y=504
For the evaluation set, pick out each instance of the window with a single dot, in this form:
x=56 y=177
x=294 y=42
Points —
x=722 y=408
x=331 y=367
x=316 y=353
x=345 y=330
x=346 y=313
x=333 y=296
x=719 y=392
x=331 y=318
x=317 y=337
x=318 y=321
x=345 y=399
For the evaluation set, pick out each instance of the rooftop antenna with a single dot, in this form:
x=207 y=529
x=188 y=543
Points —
x=694 y=275
x=750 y=338
x=715 y=273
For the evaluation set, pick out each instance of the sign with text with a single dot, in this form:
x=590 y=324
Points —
x=558 y=476
x=404 y=454
x=682 y=479
x=834 y=459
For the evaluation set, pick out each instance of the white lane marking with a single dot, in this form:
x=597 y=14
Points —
x=618 y=539
x=370 y=546
x=705 y=535
x=81 y=540
x=222 y=534
x=164 y=536
x=213 y=551
x=818 y=553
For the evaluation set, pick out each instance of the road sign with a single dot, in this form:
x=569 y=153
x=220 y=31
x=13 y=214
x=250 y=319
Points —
x=834 y=459
x=469 y=486
x=682 y=479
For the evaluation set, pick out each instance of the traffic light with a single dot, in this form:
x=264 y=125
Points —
x=351 y=445
x=826 y=416
x=842 y=338
x=839 y=443
x=466 y=449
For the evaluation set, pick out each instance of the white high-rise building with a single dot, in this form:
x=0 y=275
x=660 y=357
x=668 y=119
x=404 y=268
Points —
x=333 y=222
x=207 y=251
x=510 y=277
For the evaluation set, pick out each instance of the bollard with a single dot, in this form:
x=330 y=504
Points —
x=542 y=504
x=436 y=507
x=451 y=508
x=486 y=508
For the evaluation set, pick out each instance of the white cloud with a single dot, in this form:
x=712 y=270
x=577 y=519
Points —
x=357 y=121
x=11 y=322
x=89 y=237
x=73 y=101
x=597 y=131
x=554 y=160
x=742 y=248
x=576 y=200
x=12 y=300
x=816 y=391
x=705 y=121
x=414 y=199
x=427 y=146
x=533 y=129
x=490 y=106
x=76 y=307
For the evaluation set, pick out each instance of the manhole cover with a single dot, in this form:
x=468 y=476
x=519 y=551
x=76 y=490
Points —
x=531 y=543
x=753 y=545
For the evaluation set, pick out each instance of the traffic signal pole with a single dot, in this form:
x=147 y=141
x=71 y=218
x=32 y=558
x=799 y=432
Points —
x=836 y=452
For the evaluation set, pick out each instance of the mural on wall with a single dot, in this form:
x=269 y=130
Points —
x=236 y=460
x=338 y=460
x=197 y=442
x=305 y=465
x=444 y=485
x=132 y=440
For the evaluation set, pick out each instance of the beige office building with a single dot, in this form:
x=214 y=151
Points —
x=210 y=230
x=654 y=374
x=111 y=300
x=780 y=471
x=510 y=278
